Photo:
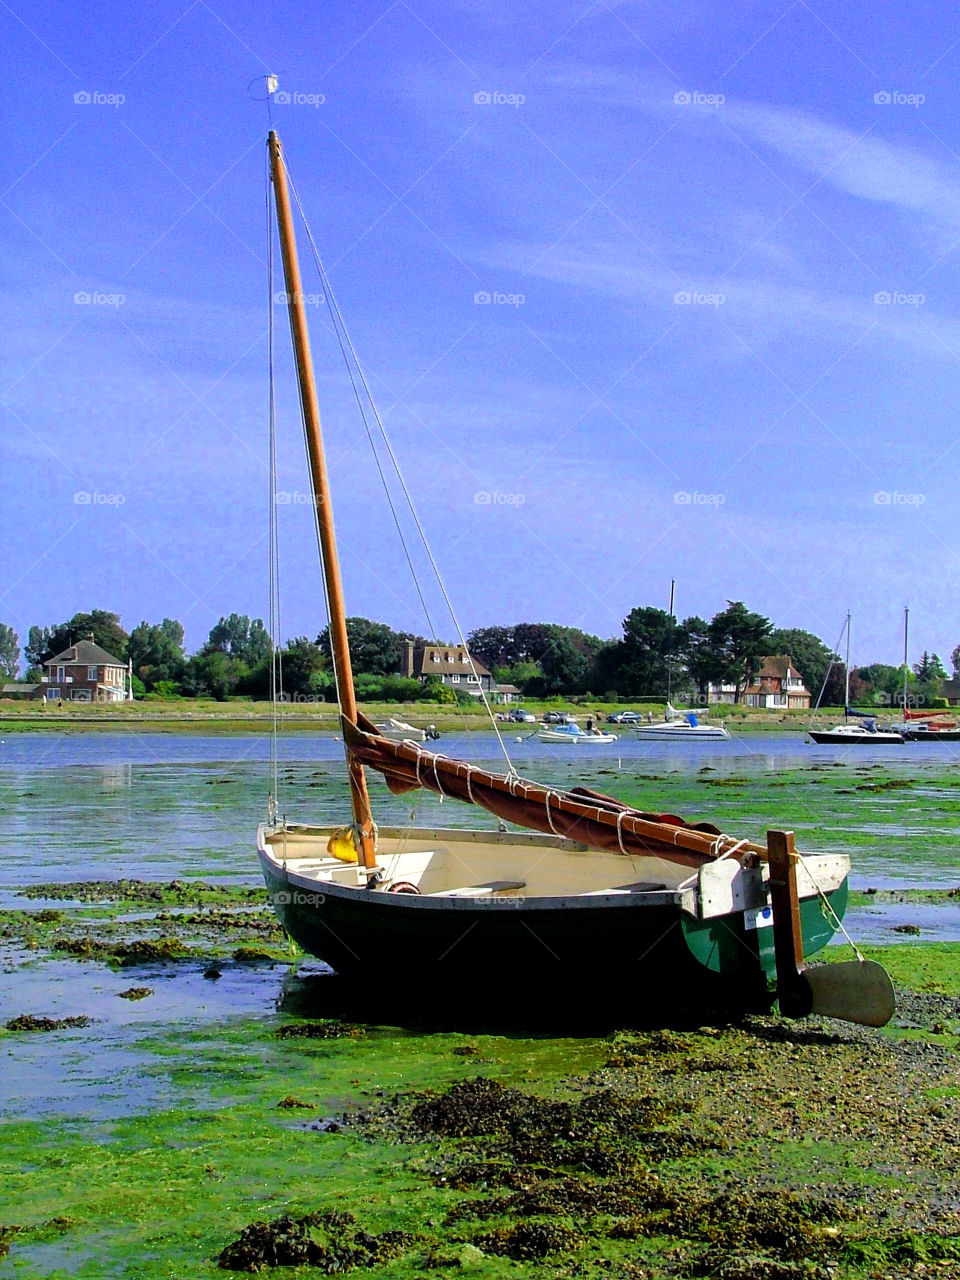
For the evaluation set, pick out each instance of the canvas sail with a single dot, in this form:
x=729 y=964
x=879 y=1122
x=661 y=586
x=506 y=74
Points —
x=580 y=814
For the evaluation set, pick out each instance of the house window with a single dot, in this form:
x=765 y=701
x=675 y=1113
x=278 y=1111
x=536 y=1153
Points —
x=61 y=673
x=472 y=680
x=449 y=657
x=434 y=657
x=454 y=679
x=91 y=673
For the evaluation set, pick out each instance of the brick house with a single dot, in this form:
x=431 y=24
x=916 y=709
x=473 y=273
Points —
x=778 y=686
x=447 y=662
x=85 y=673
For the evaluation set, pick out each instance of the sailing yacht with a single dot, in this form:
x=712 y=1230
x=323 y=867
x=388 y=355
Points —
x=561 y=881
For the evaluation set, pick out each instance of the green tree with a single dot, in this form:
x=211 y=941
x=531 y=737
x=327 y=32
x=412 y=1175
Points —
x=641 y=664
x=522 y=674
x=930 y=677
x=494 y=646
x=696 y=654
x=882 y=684
x=213 y=674
x=305 y=668
x=156 y=651
x=241 y=638
x=740 y=640
x=38 y=646
x=99 y=625
x=564 y=657
x=9 y=651
x=375 y=648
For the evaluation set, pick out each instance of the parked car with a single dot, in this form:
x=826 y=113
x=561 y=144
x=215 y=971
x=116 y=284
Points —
x=558 y=717
x=625 y=717
x=522 y=716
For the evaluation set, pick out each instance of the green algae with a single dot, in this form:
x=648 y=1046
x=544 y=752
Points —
x=484 y=1173
x=126 y=893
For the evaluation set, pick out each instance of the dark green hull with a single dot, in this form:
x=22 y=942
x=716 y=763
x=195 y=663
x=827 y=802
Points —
x=654 y=953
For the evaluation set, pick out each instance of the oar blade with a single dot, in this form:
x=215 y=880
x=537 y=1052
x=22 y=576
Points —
x=855 y=991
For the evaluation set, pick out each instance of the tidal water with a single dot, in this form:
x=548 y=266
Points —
x=94 y=805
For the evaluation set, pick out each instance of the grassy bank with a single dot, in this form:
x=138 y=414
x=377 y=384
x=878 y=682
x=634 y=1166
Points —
x=241 y=714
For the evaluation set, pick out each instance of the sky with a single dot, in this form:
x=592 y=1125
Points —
x=642 y=291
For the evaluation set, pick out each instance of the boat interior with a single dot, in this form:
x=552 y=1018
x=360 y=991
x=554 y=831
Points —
x=463 y=863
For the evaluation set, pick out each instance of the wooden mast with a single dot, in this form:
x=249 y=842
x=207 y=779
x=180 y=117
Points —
x=359 y=797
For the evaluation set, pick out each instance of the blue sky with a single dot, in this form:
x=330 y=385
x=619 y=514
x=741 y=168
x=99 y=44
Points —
x=723 y=342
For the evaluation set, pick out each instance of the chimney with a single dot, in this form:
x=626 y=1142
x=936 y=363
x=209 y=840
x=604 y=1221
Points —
x=407 y=660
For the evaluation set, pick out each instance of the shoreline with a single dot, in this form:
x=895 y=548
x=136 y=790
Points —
x=327 y=720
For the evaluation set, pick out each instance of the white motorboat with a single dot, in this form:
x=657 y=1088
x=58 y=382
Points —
x=681 y=727
x=573 y=733
x=400 y=731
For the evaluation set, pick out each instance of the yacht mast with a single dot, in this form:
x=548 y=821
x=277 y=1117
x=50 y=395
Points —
x=359 y=797
x=846 y=672
x=906 y=669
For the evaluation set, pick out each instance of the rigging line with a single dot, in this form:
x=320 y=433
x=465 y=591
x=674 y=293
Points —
x=274 y=605
x=343 y=341
x=403 y=485
x=833 y=663
x=343 y=337
x=354 y=369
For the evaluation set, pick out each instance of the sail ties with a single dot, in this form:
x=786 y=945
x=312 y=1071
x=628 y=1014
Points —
x=437 y=757
x=620 y=817
x=469 y=770
x=549 y=814
x=720 y=853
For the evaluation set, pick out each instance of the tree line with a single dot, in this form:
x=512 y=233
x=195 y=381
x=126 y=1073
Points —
x=656 y=657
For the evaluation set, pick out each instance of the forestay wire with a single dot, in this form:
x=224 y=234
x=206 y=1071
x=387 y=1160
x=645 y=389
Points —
x=276 y=657
x=356 y=375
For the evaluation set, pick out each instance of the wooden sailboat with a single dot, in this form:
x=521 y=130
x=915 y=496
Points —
x=588 y=889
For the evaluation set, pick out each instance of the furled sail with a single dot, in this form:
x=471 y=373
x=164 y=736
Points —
x=580 y=814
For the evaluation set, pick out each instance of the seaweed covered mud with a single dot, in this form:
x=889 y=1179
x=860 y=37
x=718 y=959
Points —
x=307 y=1140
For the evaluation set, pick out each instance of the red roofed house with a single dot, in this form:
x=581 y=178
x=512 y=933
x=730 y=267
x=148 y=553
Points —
x=85 y=673
x=778 y=686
